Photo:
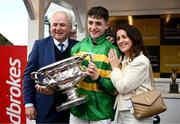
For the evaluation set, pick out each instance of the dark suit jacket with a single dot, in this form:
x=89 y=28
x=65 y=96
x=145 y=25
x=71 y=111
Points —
x=42 y=54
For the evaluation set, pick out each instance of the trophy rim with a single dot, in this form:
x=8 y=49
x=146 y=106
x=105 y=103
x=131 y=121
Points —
x=53 y=65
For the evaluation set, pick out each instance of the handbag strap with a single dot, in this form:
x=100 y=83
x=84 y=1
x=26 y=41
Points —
x=152 y=78
x=152 y=81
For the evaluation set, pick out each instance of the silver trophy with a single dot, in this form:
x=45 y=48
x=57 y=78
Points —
x=64 y=75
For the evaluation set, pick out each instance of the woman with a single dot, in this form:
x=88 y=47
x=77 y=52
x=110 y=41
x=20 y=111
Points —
x=131 y=74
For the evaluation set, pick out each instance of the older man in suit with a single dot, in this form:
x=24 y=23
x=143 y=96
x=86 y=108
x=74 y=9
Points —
x=45 y=51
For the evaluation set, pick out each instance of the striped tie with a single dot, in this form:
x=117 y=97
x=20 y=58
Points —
x=61 y=47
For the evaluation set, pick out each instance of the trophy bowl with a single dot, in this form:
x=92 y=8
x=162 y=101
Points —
x=63 y=75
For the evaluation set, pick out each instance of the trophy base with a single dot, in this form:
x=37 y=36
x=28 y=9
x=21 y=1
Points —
x=174 y=88
x=71 y=103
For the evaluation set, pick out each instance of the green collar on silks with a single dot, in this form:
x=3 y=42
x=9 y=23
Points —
x=98 y=40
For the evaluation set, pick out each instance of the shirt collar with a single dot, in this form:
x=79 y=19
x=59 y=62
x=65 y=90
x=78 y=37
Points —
x=65 y=43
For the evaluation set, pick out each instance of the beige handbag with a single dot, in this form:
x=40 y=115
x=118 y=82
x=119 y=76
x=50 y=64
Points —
x=148 y=103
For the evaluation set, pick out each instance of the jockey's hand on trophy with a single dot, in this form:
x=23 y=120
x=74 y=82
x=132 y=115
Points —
x=44 y=89
x=92 y=71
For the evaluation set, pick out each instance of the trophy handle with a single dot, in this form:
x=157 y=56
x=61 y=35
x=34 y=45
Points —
x=80 y=59
x=34 y=75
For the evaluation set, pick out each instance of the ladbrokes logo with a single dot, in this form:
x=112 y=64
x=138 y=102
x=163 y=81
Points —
x=14 y=108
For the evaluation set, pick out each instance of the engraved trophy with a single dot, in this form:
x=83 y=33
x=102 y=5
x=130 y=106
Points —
x=64 y=74
x=174 y=86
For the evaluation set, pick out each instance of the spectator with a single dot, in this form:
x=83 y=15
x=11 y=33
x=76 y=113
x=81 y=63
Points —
x=131 y=74
x=45 y=51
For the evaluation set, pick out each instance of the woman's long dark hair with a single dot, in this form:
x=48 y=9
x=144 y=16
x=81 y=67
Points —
x=135 y=35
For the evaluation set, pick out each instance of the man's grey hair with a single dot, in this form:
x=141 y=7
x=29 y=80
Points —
x=69 y=16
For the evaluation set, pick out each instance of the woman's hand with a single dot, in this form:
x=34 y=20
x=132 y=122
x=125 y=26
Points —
x=110 y=39
x=113 y=59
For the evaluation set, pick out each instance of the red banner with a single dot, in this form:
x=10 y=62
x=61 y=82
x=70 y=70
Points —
x=12 y=64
